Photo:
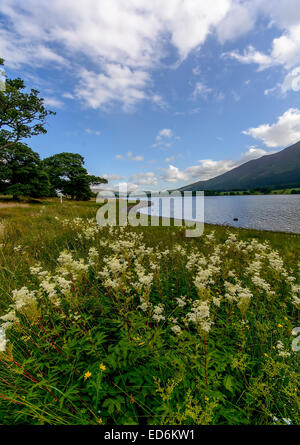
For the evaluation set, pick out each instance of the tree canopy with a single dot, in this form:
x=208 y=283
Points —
x=21 y=172
x=22 y=114
x=68 y=175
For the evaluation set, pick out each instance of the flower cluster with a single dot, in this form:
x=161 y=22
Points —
x=282 y=352
x=200 y=315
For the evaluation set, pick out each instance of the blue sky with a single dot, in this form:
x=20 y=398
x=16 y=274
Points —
x=159 y=94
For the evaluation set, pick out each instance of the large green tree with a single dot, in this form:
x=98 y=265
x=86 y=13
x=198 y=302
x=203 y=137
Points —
x=67 y=174
x=22 y=114
x=21 y=172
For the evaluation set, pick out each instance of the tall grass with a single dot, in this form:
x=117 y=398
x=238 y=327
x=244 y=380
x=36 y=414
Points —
x=142 y=325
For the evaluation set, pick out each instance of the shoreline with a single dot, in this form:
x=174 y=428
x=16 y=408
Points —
x=144 y=204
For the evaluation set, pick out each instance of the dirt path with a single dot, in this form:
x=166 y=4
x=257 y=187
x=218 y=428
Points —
x=4 y=205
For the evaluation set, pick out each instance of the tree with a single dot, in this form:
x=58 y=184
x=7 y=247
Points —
x=21 y=172
x=67 y=175
x=22 y=114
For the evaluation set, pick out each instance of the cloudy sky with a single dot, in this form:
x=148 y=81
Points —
x=159 y=93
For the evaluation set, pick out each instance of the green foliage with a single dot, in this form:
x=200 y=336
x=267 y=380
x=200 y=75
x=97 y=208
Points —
x=22 y=114
x=97 y=357
x=67 y=174
x=21 y=172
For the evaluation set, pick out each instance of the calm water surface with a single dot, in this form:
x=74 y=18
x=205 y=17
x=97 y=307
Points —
x=265 y=212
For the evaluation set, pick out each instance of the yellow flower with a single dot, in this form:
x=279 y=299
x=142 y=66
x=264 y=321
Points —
x=87 y=375
x=206 y=398
x=100 y=421
x=280 y=325
x=286 y=318
x=266 y=355
x=102 y=367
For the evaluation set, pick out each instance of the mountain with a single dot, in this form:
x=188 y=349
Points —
x=279 y=170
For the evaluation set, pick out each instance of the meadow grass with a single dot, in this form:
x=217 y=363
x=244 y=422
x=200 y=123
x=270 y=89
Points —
x=143 y=325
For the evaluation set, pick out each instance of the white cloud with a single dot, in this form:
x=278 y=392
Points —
x=208 y=168
x=129 y=156
x=286 y=16
x=123 y=40
x=164 y=133
x=122 y=187
x=254 y=153
x=251 y=55
x=18 y=50
x=170 y=159
x=113 y=177
x=53 y=102
x=201 y=90
x=159 y=101
x=118 y=84
x=92 y=132
x=291 y=81
x=196 y=71
x=165 y=138
x=68 y=96
x=269 y=91
x=127 y=187
x=284 y=132
x=173 y=174
x=146 y=178
x=285 y=49
x=239 y=20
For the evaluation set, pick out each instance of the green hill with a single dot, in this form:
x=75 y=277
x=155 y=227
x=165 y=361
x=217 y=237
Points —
x=279 y=170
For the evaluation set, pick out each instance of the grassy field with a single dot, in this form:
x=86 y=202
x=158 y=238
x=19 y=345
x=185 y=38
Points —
x=143 y=325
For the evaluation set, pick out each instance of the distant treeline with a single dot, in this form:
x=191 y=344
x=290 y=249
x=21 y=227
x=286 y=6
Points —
x=23 y=173
x=256 y=191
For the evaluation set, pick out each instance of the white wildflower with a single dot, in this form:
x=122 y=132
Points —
x=8 y=319
x=176 y=329
x=281 y=350
x=23 y=297
x=181 y=301
x=2 y=340
x=158 y=310
x=216 y=301
x=200 y=315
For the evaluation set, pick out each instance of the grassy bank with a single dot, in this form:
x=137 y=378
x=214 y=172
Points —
x=143 y=325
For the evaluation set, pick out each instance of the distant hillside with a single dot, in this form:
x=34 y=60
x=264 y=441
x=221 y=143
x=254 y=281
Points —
x=279 y=170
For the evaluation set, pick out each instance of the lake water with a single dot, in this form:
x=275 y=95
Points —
x=263 y=212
